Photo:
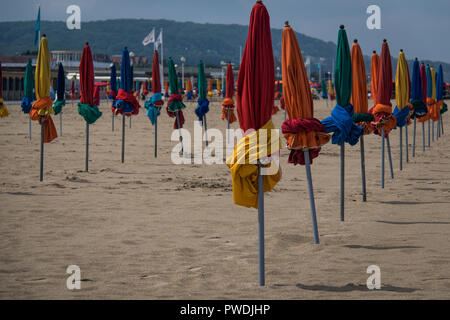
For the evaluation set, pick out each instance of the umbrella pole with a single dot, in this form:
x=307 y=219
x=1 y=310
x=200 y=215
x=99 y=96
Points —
x=60 y=123
x=423 y=136
x=429 y=135
x=389 y=156
x=382 y=158
x=442 y=124
x=179 y=131
x=123 y=138
x=406 y=142
x=438 y=130
x=311 y=196
x=284 y=113
x=228 y=125
x=414 y=140
x=401 y=148
x=342 y=180
x=363 y=169
x=112 y=121
x=206 y=129
x=156 y=137
x=432 y=132
x=29 y=127
x=41 y=175
x=130 y=122
x=262 y=280
x=87 y=146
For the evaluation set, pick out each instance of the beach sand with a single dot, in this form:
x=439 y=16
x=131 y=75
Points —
x=149 y=229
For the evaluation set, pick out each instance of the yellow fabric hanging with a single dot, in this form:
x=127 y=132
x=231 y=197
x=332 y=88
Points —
x=402 y=82
x=244 y=175
x=42 y=76
x=433 y=81
x=3 y=109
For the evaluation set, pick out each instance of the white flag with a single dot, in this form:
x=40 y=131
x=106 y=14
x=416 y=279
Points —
x=159 y=40
x=308 y=61
x=150 y=38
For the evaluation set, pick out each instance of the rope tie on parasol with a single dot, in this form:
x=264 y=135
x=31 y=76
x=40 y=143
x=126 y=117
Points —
x=341 y=124
x=126 y=103
x=57 y=106
x=401 y=116
x=363 y=120
x=43 y=108
x=174 y=105
x=433 y=109
x=112 y=95
x=153 y=106
x=383 y=119
x=444 y=108
x=202 y=108
x=90 y=113
x=244 y=167
x=228 y=109
x=302 y=135
x=3 y=109
x=26 y=104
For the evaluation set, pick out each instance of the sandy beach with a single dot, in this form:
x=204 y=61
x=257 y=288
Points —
x=149 y=229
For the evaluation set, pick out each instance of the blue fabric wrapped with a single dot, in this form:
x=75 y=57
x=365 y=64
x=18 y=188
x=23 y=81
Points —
x=26 y=104
x=401 y=116
x=189 y=95
x=202 y=108
x=123 y=105
x=153 y=111
x=341 y=124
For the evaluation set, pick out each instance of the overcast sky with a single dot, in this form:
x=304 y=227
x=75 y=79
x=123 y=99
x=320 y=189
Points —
x=420 y=27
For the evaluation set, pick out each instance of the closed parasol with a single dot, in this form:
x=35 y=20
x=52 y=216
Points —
x=175 y=104
x=228 y=103
x=28 y=85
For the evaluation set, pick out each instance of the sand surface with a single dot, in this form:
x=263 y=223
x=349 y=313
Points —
x=149 y=229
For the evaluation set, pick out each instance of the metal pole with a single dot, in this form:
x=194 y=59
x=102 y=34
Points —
x=130 y=122
x=423 y=136
x=389 y=156
x=342 y=180
x=29 y=127
x=206 y=129
x=112 y=121
x=442 y=124
x=60 y=123
x=156 y=137
x=262 y=280
x=414 y=140
x=406 y=142
x=179 y=131
x=363 y=170
x=382 y=158
x=429 y=135
x=41 y=175
x=123 y=138
x=311 y=196
x=401 y=149
x=87 y=147
x=228 y=125
x=432 y=134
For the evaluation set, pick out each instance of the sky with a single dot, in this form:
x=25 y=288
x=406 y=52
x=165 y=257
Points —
x=419 y=27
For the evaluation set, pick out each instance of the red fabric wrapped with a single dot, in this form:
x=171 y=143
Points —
x=128 y=97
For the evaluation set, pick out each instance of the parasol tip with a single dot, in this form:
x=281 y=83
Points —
x=286 y=23
x=44 y=35
x=87 y=43
x=355 y=41
x=374 y=51
x=401 y=50
x=341 y=26
x=384 y=40
x=258 y=1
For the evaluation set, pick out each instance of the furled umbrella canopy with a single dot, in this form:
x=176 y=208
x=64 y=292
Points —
x=43 y=106
x=431 y=95
x=340 y=122
x=209 y=92
x=126 y=103
x=228 y=103
x=382 y=111
x=189 y=88
x=423 y=78
x=86 y=107
x=113 y=83
x=440 y=91
x=175 y=103
x=302 y=131
x=28 y=84
x=359 y=90
x=203 y=103
x=374 y=68
x=254 y=105
x=60 y=90
x=155 y=102
x=402 y=91
x=419 y=109
x=323 y=85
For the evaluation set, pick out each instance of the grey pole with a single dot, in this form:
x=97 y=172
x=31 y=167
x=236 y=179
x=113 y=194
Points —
x=311 y=196
x=41 y=175
x=389 y=156
x=442 y=124
x=406 y=142
x=123 y=138
x=87 y=147
x=423 y=136
x=112 y=121
x=130 y=122
x=60 y=123
x=438 y=130
x=206 y=129
x=382 y=158
x=179 y=131
x=414 y=140
x=29 y=127
x=429 y=134
x=432 y=130
x=228 y=125
x=363 y=169
x=262 y=280
x=342 y=180
x=401 y=149
x=156 y=137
